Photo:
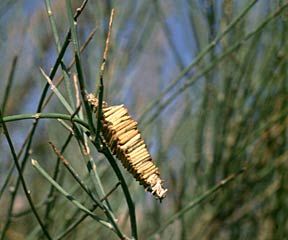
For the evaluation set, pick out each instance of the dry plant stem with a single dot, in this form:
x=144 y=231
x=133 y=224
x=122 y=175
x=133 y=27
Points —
x=75 y=175
x=51 y=194
x=25 y=188
x=102 y=68
x=107 y=42
x=75 y=84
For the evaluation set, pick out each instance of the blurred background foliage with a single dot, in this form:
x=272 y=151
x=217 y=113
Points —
x=202 y=123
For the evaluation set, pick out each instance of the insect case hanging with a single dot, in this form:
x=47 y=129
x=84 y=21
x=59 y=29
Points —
x=124 y=140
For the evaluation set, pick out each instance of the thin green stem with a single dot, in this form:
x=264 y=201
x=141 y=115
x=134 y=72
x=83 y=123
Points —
x=11 y=169
x=68 y=196
x=51 y=195
x=82 y=218
x=44 y=116
x=75 y=175
x=9 y=84
x=25 y=188
x=53 y=25
x=124 y=186
x=5 y=99
x=57 y=93
x=60 y=79
x=73 y=25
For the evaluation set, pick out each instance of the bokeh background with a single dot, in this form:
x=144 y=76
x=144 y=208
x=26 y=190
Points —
x=207 y=82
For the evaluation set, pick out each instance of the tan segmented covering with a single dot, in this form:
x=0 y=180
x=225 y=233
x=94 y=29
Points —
x=124 y=140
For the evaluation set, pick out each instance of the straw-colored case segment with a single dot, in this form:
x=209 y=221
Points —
x=125 y=142
x=131 y=144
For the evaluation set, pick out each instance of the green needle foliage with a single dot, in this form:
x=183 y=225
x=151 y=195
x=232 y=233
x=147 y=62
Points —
x=207 y=82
